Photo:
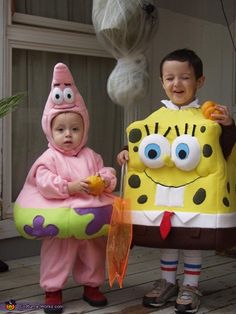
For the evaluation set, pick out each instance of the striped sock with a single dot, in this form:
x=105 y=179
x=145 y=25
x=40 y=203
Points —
x=169 y=264
x=192 y=267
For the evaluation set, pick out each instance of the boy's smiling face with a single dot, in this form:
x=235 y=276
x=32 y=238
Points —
x=179 y=82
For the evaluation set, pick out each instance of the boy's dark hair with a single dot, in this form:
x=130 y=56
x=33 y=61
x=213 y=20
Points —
x=183 y=55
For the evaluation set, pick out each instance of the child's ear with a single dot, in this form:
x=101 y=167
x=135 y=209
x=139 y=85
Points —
x=200 y=81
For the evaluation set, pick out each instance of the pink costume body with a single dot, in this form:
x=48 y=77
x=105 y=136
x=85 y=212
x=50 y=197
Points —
x=46 y=188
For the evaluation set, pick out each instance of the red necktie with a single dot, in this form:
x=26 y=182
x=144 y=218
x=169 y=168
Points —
x=165 y=225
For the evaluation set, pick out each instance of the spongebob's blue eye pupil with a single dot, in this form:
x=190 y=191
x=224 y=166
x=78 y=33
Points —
x=152 y=154
x=69 y=95
x=152 y=151
x=182 y=154
x=182 y=151
x=57 y=96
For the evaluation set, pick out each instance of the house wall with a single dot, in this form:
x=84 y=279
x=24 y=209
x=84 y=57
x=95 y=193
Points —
x=212 y=43
x=209 y=40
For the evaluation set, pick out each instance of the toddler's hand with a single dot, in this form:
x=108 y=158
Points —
x=224 y=116
x=122 y=157
x=78 y=186
x=107 y=182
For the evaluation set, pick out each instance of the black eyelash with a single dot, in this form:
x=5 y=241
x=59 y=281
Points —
x=167 y=131
x=147 y=129
x=156 y=128
x=194 y=128
x=186 y=128
x=177 y=130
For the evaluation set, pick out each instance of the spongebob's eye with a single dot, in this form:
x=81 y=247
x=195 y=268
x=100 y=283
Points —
x=57 y=96
x=185 y=152
x=152 y=149
x=68 y=95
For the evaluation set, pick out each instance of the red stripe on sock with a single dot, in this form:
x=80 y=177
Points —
x=189 y=272
x=168 y=269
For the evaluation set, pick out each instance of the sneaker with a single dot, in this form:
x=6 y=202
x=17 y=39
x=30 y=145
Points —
x=94 y=297
x=162 y=293
x=188 y=300
x=53 y=302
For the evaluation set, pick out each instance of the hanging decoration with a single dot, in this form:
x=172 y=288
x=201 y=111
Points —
x=125 y=28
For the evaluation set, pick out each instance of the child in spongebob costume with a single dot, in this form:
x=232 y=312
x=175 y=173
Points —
x=66 y=199
x=181 y=180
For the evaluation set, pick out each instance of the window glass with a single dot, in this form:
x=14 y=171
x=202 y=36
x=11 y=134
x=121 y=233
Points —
x=68 y=10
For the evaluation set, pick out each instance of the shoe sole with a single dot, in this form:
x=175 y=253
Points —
x=159 y=304
x=189 y=311
x=95 y=303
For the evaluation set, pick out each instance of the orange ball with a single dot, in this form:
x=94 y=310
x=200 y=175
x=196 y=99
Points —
x=96 y=185
x=209 y=107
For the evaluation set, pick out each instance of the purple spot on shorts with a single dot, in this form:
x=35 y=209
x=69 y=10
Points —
x=38 y=230
x=102 y=216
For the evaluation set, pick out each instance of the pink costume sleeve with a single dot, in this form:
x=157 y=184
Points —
x=107 y=173
x=51 y=185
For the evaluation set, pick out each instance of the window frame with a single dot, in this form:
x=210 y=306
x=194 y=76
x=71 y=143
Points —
x=29 y=32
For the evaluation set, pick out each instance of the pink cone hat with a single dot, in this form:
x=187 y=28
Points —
x=64 y=97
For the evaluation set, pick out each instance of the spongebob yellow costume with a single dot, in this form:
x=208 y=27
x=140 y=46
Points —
x=176 y=165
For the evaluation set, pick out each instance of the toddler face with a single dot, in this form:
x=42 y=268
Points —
x=67 y=130
x=179 y=82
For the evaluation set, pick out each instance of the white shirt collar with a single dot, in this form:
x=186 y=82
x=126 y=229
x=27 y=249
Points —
x=170 y=105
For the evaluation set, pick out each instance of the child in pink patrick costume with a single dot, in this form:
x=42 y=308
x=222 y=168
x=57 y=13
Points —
x=59 y=177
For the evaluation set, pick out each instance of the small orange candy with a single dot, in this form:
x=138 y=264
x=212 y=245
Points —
x=96 y=185
x=208 y=108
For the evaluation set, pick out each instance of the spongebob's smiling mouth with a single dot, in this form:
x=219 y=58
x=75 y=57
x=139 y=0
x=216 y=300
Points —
x=171 y=186
x=169 y=195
